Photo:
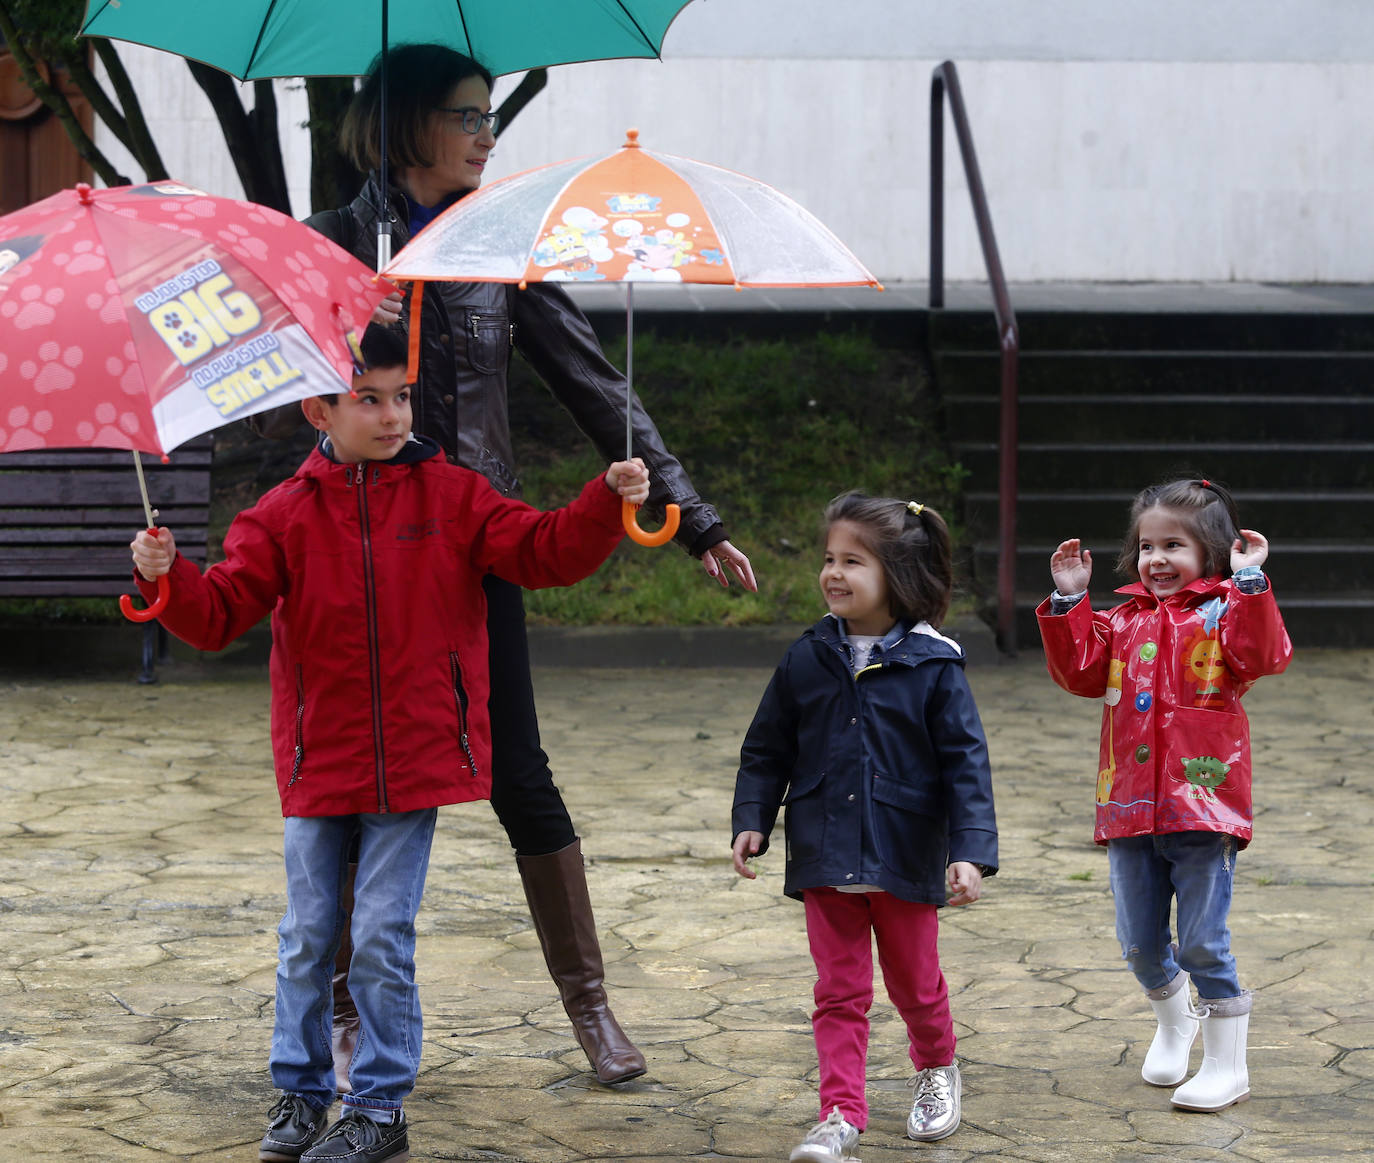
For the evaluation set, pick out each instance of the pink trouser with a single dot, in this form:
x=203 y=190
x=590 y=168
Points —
x=839 y=926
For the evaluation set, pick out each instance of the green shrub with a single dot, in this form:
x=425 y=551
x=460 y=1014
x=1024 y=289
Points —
x=769 y=432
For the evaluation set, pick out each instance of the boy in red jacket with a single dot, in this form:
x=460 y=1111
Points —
x=370 y=560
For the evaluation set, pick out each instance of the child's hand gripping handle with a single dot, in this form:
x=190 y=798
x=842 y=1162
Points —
x=671 y=515
x=164 y=590
x=154 y=551
x=630 y=479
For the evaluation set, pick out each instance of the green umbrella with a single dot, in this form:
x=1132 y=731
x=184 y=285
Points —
x=254 y=39
x=251 y=39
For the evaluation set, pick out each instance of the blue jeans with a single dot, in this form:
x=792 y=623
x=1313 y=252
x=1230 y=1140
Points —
x=393 y=858
x=1197 y=869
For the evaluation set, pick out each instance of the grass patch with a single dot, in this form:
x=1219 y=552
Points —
x=769 y=432
x=1085 y=876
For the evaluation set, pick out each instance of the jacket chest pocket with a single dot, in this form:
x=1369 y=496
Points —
x=489 y=338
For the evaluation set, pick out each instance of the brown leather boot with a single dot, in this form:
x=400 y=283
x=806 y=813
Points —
x=345 y=1033
x=556 y=888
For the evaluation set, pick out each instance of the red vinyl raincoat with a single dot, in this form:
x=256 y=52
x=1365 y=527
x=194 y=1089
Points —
x=373 y=575
x=1175 y=752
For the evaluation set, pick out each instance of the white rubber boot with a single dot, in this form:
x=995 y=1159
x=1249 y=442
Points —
x=1166 y=1062
x=1223 y=1078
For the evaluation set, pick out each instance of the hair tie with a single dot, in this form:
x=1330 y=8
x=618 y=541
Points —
x=916 y=507
x=1206 y=484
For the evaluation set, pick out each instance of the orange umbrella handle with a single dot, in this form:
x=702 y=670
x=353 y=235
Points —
x=126 y=604
x=662 y=537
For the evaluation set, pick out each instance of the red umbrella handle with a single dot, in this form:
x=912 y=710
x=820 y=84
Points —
x=662 y=537
x=126 y=604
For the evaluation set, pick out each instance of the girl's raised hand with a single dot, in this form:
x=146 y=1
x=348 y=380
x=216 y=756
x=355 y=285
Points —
x=1254 y=550
x=1071 y=566
x=746 y=844
x=153 y=556
x=630 y=479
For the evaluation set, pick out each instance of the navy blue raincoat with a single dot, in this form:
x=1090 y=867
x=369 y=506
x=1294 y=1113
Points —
x=884 y=774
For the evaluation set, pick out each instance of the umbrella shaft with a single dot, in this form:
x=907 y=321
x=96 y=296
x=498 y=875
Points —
x=629 y=369
x=143 y=491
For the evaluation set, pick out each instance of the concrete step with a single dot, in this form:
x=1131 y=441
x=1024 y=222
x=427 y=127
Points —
x=1178 y=417
x=1100 y=517
x=1213 y=372
x=1047 y=466
x=1159 y=330
x=1313 y=568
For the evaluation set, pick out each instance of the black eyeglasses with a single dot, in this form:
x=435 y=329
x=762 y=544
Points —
x=471 y=120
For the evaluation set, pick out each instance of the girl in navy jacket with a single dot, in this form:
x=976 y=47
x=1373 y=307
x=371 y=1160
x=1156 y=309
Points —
x=868 y=733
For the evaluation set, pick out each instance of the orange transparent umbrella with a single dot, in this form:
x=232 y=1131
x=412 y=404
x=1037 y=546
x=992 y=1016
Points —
x=630 y=216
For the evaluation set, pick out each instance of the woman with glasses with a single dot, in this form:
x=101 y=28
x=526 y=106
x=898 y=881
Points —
x=440 y=133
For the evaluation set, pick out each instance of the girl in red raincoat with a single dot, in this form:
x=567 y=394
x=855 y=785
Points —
x=1173 y=787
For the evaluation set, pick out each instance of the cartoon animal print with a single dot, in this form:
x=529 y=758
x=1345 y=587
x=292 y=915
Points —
x=1205 y=773
x=1107 y=776
x=1205 y=668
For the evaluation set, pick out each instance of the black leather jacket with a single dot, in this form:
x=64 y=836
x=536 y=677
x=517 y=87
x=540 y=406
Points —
x=467 y=334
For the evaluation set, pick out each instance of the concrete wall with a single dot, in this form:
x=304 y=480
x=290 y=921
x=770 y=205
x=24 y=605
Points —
x=1175 y=141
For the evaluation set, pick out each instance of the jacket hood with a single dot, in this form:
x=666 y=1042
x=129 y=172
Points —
x=319 y=464
x=1143 y=597
x=919 y=642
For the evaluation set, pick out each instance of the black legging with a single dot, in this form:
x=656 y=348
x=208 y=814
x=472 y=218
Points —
x=523 y=794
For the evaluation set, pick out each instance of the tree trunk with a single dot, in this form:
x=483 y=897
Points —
x=54 y=99
x=523 y=93
x=256 y=161
x=141 y=139
x=333 y=180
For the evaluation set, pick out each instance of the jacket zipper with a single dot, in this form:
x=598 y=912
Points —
x=373 y=653
x=460 y=696
x=474 y=325
x=300 y=720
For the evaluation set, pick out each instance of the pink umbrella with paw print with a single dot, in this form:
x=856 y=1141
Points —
x=139 y=317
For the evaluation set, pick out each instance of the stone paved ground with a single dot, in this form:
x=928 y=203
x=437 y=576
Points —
x=140 y=888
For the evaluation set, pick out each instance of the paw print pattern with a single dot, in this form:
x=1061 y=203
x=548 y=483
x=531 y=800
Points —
x=83 y=365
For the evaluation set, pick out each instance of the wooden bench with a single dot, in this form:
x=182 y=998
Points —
x=67 y=517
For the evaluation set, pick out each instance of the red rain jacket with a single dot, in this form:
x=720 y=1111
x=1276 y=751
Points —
x=1175 y=753
x=373 y=575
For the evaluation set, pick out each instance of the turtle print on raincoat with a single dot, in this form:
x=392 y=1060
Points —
x=1175 y=752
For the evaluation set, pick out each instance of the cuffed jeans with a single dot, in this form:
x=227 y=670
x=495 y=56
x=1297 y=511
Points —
x=840 y=928
x=393 y=858
x=1196 y=869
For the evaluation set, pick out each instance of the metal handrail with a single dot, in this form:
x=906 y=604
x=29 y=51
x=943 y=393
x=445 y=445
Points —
x=944 y=79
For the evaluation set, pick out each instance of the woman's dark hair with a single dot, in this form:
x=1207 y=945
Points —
x=419 y=77
x=911 y=543
x=1208 y=512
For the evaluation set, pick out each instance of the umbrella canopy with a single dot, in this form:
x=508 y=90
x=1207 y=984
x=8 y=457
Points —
x=630 y=216
x=141 y=316
x=250 y=39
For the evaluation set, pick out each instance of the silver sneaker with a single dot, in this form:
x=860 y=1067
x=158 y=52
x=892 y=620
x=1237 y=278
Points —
x=937 y=1108
x=832 y=1141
